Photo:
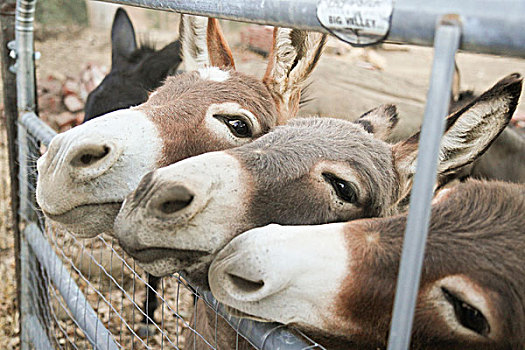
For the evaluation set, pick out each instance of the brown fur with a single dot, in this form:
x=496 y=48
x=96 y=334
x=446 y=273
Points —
x=280 y=164
x=477 y=231
x=205 y=321
x=179 y=107
x=219 y=50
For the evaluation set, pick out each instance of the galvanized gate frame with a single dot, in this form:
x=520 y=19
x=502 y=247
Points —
x=477 y=22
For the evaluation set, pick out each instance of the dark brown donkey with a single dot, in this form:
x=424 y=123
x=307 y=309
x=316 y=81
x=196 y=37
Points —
x=135 y=71
x=338 y=280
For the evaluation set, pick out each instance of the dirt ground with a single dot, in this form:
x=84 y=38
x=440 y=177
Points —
x=343 y=86
x=8 y=315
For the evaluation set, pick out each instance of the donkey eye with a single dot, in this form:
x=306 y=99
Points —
x=239 y=128
x=344 y=189
x=467 y=315
x=237 y=125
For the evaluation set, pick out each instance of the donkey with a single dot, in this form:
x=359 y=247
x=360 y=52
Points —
x=338 y=280
x=87 y=171
x=505 y=159
x=135 y=71
x=310 y=171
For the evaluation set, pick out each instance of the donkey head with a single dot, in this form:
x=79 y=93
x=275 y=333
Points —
x=87 y=171
x=310 y=171
x=338 y=280
x=135 y=71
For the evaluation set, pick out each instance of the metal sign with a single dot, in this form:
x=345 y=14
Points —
x=358 y=22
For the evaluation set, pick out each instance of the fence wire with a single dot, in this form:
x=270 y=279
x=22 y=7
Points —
x=116 y=289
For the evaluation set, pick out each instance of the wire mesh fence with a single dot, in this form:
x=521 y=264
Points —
x=87 y=293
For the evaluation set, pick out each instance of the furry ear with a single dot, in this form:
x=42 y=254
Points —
x=379 y=121
x=469 y=131
x=123 y=41
x=218 y=49
x=194 y=52
x=456 y=84
x=294 y=55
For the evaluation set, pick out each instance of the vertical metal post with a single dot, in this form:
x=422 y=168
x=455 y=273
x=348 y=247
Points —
x=25 y=84
x=7 y=23
x=446 y=43
x=34 y=286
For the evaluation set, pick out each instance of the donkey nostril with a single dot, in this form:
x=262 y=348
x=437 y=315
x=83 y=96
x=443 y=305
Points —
x=245 y=285
x=173 y=200
x=172 y=206
x=91 y=156
x=86 y=159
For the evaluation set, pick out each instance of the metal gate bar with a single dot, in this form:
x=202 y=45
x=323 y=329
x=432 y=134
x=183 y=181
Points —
x=36 y=127
x=489 y=26
x=262 y=335
x=36 y=334
x=447 y=42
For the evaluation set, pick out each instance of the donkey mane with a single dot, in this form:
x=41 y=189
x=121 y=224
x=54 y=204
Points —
x=145 y=48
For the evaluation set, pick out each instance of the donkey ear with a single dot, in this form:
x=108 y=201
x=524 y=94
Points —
x=194 y=52
x=294 y=55
x=218 y=49
x=379 y=121
x=456 y=83
x=468 y=132
x=123 y=41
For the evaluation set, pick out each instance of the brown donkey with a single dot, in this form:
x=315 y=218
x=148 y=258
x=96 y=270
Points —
x=311 y=171
x=87 y=171
x=338 y=280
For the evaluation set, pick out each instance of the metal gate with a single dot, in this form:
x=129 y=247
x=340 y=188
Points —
x=78 y=294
